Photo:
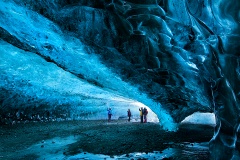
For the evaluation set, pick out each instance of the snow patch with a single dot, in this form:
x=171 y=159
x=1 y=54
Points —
x=201 y=118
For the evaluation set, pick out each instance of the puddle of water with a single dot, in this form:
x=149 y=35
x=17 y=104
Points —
x=137 y=155
x=53 y=149
x=183 y=151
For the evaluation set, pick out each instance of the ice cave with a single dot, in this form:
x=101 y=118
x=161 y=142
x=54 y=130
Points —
x=64 y=63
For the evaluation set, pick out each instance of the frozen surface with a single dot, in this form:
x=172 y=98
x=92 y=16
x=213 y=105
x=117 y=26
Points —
x=33 y=76
x=201 y=118
x=54 y=149
x=50 y=149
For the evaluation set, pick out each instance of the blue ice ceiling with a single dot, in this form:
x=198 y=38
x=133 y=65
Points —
x=80 y=57
x=31 y=81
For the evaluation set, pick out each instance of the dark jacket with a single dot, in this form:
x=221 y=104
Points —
x=129 y=113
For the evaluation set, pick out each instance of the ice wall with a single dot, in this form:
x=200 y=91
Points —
x=217 y=22
x=72 y=79
x=176 y=57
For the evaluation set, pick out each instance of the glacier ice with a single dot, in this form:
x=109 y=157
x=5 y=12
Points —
x=176 y=57
x=217 y=21
x=201 y=118
x=58 y=87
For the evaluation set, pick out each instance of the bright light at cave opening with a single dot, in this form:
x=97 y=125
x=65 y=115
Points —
x=201 y=118
x=120 y=105
x=151 y=117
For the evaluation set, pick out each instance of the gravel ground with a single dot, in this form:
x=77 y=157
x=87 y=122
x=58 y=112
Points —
x=98 y=137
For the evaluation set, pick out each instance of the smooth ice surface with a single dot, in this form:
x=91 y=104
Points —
x=201 y=118
x=54 y=149
x=39 y=73
x=51 y=149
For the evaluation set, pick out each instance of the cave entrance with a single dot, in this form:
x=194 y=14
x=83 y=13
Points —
x=121 y=105
x=151 y=117
x=201 y=118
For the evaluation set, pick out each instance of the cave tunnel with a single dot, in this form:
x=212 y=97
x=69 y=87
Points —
x=63 y=64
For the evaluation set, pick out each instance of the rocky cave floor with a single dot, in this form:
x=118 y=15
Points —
x=119 y=138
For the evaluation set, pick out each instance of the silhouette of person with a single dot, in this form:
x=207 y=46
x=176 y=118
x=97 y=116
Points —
x=145 y=112
x=141 y=114
x=109 y=114
x=129 y=114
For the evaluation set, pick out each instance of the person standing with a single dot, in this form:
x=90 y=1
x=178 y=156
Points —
x=129 y=115
x=109 y=114
x=141 y=114
x=145 y=112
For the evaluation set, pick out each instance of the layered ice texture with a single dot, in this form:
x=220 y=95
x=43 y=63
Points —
x=174 y=57
x=31 y=81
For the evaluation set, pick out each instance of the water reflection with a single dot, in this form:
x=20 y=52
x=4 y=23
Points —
x=179 y=151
